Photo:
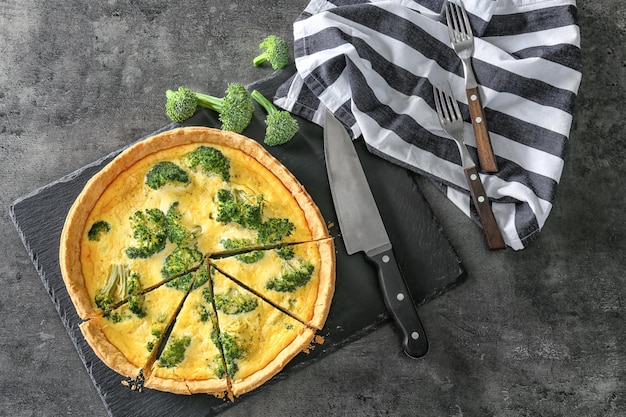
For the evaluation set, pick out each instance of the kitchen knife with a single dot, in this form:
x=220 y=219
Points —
x=362 y=229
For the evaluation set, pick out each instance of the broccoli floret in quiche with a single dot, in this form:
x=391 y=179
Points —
x=166 y=172
x=97 y=230
x=239 y=207
x=174 y=352
x=233 y=350
x=182 y=260
x=149 y=232
x=121 y=283
x=234 y=302
x=294 y=275
x=209 y=160
x=176 y=232
x=274 y=230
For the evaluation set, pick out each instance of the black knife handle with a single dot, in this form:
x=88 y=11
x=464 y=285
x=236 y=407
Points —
x=400 y=304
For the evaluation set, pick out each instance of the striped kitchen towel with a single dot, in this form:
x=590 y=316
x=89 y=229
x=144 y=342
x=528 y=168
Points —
x=373 y=63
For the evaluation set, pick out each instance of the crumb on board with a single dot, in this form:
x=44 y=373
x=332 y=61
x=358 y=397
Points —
x=135 y=384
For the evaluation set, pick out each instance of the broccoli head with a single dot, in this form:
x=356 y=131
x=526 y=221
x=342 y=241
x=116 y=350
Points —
x=149 y=231
x=280 y=124
x=97 y=230
x=174 y=352
x=274 y=230
x=121 y=283
x=275 y=50
x=181 y=104
x=202 y=276
x=235 y=108
x=181 y=261
x=250 y=257
x=285 y=252
x=176 y=232
x=234 y=302
x=210 y=160
x=233 y=350
x=166 y=172
x=236 y=244
x=294 y=275
x=239 y=207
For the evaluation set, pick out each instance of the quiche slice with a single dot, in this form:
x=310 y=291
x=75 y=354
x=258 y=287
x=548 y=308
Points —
x=194 y=187
x=191 y=361
x=257 y=339
x=127 y=337
x=296 y=278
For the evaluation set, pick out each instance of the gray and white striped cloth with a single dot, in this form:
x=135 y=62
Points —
x=373 y=63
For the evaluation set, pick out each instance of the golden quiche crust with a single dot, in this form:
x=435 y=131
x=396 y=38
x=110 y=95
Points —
x=78 y=263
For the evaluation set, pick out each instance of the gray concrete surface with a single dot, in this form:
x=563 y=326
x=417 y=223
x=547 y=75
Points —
x=534 y=333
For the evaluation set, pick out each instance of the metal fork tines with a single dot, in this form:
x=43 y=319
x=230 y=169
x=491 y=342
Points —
x=452 y=123
x=462 y=40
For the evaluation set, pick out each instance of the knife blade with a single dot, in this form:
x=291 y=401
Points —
x=362 y=229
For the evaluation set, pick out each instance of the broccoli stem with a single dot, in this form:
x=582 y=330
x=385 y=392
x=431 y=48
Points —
x=204 y=100
x=264 y=102
x=210 y=102
x=259 y=60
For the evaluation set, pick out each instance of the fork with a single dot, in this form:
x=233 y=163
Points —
x=452 y=123
x=462 y=40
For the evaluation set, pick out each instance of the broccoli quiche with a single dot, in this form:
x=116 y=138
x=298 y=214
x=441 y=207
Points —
x=197 y=263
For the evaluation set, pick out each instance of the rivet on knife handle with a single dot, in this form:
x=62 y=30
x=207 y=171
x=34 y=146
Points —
x=481 y=202
x=400 y=304
x=486 y=157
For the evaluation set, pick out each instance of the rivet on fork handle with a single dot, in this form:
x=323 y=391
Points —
x=486 y=157
x=481 y=202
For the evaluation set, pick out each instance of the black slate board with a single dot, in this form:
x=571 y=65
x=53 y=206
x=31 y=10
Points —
x=430 y=264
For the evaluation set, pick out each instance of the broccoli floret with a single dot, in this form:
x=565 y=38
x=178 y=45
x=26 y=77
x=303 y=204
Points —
x=236 y=244
x=174 y=352
x=293 y=277
x=281 y=126
x=233 y=302
x=286 y=253
x=235 y=108
x=97 y=230
x=122 y=283
x=181 y=261
x=156 y=334
x=135 y=305
x=149 y=232
x=211 y=160
x=250 y=257
x=181 y=104
x=114 y=290
x=203 y=313
x=181 y=283
x=202 y=276
x=176 y=232
x=238 y=207
x=275 y=50
x=232 y=351
x=165 y=172
x=274 y=230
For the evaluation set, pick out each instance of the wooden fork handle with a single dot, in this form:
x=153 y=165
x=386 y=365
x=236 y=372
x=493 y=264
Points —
x=481 y=202
x=486 y=158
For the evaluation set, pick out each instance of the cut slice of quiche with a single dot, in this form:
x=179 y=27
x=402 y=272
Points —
x=296 y=278
x=257 y=339
x=127 y=337
x=191 y=361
